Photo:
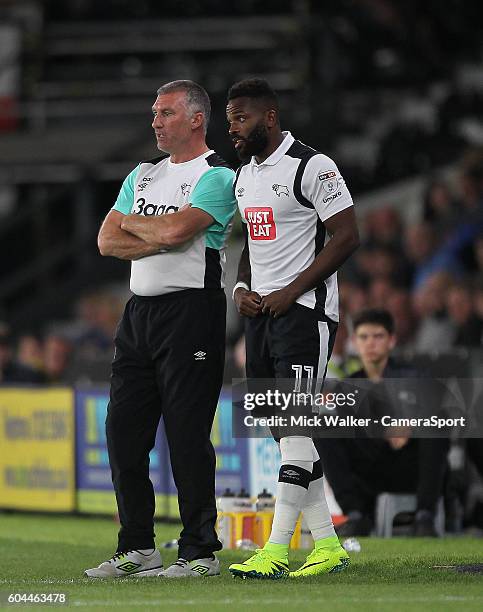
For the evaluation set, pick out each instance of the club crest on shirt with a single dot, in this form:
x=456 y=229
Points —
x=261 y=223
x=185 y=189
x=280 y=189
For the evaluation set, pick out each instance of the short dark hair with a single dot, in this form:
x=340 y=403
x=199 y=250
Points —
x=197 y=100
x=374 y=316
x=254 y=88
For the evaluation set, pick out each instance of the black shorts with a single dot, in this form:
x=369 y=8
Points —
x=296 y=346
x=278 y=347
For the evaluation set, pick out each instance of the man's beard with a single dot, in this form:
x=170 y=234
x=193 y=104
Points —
x=254 y=143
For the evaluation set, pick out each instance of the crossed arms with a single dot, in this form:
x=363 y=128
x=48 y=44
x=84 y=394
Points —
x=135 y=236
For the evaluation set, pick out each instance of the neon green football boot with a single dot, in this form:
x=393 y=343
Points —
x=323 y=561
x=263 y=565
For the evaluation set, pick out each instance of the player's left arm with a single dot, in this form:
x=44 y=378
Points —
x=324 y=187
x=168 y=231
x=344 y=241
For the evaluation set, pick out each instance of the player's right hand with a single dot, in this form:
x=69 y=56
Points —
x=247 y=302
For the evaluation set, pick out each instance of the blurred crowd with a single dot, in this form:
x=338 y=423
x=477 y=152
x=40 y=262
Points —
x=66 y=349
x=428 y=273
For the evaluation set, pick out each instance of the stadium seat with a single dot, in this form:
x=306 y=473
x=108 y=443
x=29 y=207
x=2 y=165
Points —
x=388 y=505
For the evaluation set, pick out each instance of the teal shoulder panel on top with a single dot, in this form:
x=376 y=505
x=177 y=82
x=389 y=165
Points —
x=214 y=194
x=125 y=199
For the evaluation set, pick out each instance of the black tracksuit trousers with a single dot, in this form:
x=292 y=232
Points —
x=168 y=362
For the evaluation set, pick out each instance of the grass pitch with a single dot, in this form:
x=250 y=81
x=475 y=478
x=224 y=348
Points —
x=42 y=554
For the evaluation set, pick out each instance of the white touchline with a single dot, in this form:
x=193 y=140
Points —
x=262 y=600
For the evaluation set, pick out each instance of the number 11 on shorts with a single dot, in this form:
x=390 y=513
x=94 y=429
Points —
x=309 y=371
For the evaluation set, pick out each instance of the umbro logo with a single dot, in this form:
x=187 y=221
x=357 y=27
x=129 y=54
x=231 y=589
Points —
x=200 y=355
x=279 y=189
x=201 y=569
x=129 y=566
x=185 y=189
x=290 y=473
x=240 y=192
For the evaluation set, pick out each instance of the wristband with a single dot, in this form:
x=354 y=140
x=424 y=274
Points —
x=238 y=286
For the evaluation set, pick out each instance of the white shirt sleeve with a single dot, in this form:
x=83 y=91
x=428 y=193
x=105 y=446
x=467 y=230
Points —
x=324 y=187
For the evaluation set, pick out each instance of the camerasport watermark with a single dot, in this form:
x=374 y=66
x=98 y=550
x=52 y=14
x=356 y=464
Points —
x=329 y=420
x=393 y=407
x=282 y=400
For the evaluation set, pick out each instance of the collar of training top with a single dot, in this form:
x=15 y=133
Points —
x=277 y=155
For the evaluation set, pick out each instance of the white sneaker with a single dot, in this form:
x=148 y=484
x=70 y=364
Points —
x=129 y=563
x=192 y=569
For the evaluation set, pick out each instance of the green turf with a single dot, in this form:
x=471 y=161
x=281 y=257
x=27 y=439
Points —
x=49 y=554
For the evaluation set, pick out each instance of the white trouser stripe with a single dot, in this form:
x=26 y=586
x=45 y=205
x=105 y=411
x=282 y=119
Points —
x=323 y=352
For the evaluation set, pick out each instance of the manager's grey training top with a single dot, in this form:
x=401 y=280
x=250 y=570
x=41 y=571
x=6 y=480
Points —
x=160 y=187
